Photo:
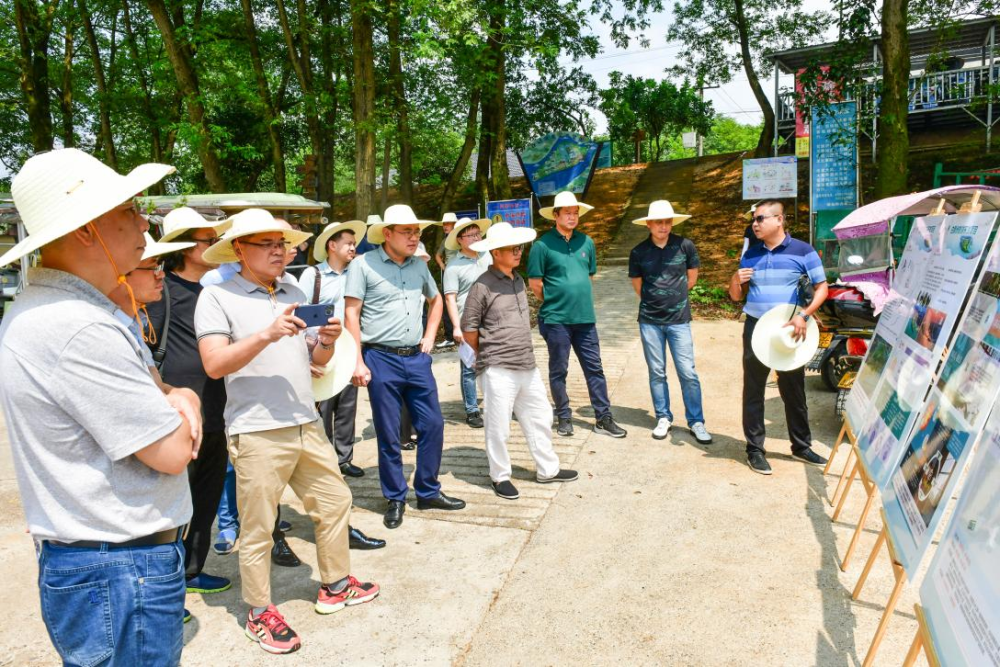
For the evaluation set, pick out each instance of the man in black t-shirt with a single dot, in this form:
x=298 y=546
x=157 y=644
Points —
x=663 y=268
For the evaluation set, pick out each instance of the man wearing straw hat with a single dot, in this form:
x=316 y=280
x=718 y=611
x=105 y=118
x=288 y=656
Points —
x=496 y=323
x=462 y=271
x=443 y=257
x=663 y=268
x=560 y=269
x=769 y=276
x=100 y=452
x=386 y=290
x=249 y=334
x=334 y=250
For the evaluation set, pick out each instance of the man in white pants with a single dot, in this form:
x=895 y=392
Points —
x=496 y=323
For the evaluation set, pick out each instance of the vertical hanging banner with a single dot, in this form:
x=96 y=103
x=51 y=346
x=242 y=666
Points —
x=801 y=122
x=517 y=212
x=558 y=162
x=935 y=271
x=961 y=592
x=834 y=161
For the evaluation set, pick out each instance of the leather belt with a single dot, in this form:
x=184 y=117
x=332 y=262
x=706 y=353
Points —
x=168 y=536
x=411 y=351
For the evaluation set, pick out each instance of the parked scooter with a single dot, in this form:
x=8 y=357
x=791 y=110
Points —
x=847 y=322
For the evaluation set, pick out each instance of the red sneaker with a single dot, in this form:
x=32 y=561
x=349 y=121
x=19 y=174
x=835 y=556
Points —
x=356 y=592
x=271 y=632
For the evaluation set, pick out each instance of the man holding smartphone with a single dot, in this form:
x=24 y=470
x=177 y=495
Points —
x=248 y=333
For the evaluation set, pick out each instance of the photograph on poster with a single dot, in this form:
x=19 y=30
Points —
x=991 y=283
x=871 y=371
x=929 y=462
x=925 y=323
x=968 y=387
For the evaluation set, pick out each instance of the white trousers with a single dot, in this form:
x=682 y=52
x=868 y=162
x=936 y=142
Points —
x=521 y=394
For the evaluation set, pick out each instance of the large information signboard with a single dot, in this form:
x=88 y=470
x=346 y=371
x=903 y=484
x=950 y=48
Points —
x=515 y=211
x=934 y=275
x=834 y=163
x=557 y=162
x=770 y=178
x=961 y=592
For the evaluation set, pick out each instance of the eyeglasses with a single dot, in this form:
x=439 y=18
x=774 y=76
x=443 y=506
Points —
x=762 y=218
x=155 y=269
x=471 y=235
x=408 y=233
x=516 y=249
x=271 y=246
x=211 y=241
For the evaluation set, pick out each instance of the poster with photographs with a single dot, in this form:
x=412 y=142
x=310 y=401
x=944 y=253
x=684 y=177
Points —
x=961 y=592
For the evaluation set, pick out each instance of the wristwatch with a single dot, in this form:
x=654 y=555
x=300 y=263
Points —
x=805 y=318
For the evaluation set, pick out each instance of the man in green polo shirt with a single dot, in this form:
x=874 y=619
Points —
x=560 y=267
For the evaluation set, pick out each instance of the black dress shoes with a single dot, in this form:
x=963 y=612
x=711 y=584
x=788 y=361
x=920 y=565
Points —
x=359 y=540
x=408 y=446
x=282 y=554
x=442 y=502
x=394 y=514
x=351 y=470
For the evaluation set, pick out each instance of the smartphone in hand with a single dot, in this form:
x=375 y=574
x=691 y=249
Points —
x=316 y=315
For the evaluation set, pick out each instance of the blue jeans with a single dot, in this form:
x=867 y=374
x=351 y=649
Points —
x=469 y=388
x=229 y=516
x=655 y=338
x=582 y=339
x=112 y=606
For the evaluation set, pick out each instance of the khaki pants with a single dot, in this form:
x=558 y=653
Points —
x=265 y=463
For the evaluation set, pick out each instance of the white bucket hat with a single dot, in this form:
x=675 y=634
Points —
x=247 y=223
x=355 y=226
x=158 y=248
x=503 y=235
x=338 y=371
x=397 y=214
x=373 y=219
x=661 y=209
x=449 y=217
x=564 y=200
x=60 y=191
x=451 y=242
x=773 y=344
x=421 y=252
x=184 y=219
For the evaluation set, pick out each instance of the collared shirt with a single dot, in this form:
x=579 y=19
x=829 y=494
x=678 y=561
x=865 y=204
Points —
x=274 y=390
x=331 y=286
x=133 y=328
x=664 y=293
x=221 y=274
x=776 y=273
x=393 y=296
x=461 y=272
x=79 y=403
x=497 y=308
x=565 y=268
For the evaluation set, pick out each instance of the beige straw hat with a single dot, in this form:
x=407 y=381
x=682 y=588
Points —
x=60 y=191
x=449 y=217
x=451 y=242
x=158 y=248
x=773 y=344
x=503 y=235
x=397 y=214
x=355 y=226
x=247 y=223
x=564 y=200
x=184 y=219
x=661 y=209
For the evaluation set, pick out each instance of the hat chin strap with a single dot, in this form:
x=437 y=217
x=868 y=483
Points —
x=238 y=251
x=120 y=277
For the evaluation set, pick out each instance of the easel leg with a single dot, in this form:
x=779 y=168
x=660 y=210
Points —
x=843 y=476
x=843 y=496
x=860 y=529
x=911 y=656
x=890 y=607
x=868 y=566
x=836 y=447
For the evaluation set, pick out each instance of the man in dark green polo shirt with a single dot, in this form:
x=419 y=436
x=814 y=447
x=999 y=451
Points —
x=560 y=267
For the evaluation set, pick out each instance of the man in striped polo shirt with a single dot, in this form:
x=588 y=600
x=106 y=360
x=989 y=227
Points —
x=771 y=270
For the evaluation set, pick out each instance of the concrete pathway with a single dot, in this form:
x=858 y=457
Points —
x=663 y=553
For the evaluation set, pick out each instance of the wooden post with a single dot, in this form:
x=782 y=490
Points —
x=939 y=209
x=846 y=430
x=890 y=606
x=872 y=490
x=972 y=206
x=847 y=487
x=922 y=640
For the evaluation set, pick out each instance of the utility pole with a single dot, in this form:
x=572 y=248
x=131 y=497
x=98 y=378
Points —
x=701 y=96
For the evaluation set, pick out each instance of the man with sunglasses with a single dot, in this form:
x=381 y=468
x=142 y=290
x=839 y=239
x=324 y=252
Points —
x=769 y=276
x=462 y=271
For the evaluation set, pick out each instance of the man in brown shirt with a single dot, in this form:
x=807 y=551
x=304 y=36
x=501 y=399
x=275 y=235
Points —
x=496 y=323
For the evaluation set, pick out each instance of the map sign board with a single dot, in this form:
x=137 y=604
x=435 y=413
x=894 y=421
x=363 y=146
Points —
x=771 y=178
x=558 y=162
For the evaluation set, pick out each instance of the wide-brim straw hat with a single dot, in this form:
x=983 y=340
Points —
x=503 y=235
x=564 y=200
x=373 y=219
x=449 y=217
x=159 y=248
x=773 y=344
x=355 y=226
x=451 y=242
x=338 y=371
x=184 y=219
x=58 y=192
x=247 y=223
x=397 y=214
x=661 y=209
x=421 y=252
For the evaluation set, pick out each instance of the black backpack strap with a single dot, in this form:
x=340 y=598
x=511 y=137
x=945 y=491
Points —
x=316 y=281
x=161 y=351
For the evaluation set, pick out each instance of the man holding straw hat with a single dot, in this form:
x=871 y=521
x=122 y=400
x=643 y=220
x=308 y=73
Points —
x=100 y=452
x=663 y=268
x=249 y=334
x=561 y=266
x=462 y=271
x=496 y=323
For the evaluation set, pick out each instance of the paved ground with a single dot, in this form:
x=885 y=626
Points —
x=664 y=553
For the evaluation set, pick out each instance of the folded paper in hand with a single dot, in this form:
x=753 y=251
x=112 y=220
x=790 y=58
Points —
x=467 y=355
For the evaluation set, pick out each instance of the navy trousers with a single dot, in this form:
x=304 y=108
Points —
x=397 y=381
x=582 y=339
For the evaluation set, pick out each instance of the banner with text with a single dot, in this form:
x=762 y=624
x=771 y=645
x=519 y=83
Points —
x=515 y=211
x=834 y=163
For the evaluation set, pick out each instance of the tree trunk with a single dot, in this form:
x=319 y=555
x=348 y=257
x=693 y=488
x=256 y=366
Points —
x=331 y=69
x=264 y=93
x=499 y=174
x=894 y=137
x=180 y=56
x=66 y=94
x=104 y=113
x=34 y=28
x=484 y=184
x=152 y=118
x=458 y=173
x=386 y=164
x=393 y=22
x=363 y=108
x=767 y=138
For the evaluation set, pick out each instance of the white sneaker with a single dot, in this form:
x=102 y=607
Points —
x=701 y=434
x=662 y=428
